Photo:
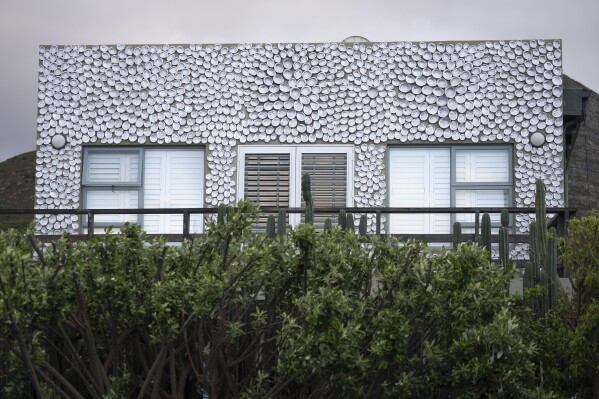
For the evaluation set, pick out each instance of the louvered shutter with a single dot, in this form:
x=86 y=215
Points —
x=173 y=179
x=328 y=178
x=104 y=167
x=482 y=166
x=266 y=180
x=419 y=177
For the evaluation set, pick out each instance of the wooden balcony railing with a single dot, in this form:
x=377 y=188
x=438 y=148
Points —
x=559 y=220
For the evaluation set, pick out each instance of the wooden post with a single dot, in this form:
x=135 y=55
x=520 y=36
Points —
x=186 y=217
x=476 y=225
x=90 y=225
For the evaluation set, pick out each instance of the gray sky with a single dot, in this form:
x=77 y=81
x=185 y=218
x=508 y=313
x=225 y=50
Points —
x=26 y=24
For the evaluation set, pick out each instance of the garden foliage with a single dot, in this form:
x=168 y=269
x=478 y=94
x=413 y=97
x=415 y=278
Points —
x=237 y=313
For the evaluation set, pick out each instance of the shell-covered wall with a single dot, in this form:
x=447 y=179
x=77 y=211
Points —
x=366 y=94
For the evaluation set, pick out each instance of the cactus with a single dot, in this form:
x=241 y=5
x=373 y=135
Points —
x=349 y=224
x=552 y=268
x=534 y=250
x=485 y=233
x=541 y=219
x=342 y=219
x=328 y=224
x=457 y=234
x=529 y=281
x=505 y=218
x=270 y=227
x=363 y=225
x=307 y=195
x=504 y=239
x=543 y=255
x=544 y=304
x=282 y=223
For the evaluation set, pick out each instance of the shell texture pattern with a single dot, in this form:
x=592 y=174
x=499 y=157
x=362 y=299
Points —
x=366 y=94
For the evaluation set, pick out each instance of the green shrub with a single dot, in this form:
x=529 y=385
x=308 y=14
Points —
x=569 y=336
x=235 y=313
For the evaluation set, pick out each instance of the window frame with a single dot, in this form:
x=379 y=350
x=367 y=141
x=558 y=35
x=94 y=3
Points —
x=295 y=167
x=138 y=186
x=454 y=185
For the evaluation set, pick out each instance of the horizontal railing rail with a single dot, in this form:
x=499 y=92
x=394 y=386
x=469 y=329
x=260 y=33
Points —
x=560 y=219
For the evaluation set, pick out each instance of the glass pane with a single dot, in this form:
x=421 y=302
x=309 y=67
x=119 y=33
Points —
x=104 y=167
x=482 y=166
x=108 y=199
x=480 y=199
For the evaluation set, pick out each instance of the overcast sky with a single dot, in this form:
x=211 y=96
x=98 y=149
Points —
x=27 y=24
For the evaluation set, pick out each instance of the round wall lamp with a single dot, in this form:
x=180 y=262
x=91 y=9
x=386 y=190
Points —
x=58 y=141
x=537 y=139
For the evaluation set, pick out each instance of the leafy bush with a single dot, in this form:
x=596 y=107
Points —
x=238 y=314
x=569 y=336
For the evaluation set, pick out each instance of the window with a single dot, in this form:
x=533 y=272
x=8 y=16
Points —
x=144 y=178
x=271 y=176
x=439 y=177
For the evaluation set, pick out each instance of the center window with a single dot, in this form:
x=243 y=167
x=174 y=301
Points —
x=271 y=176
x=443 y=177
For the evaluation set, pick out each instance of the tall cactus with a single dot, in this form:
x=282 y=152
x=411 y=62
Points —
x=271 y=231
x=457 y=234
x=552 y=268
x=544 y=304
x=307 y=195
x=342 y=222
x=328 y=224
x=529 y=279
x=363 y=225
x=485 y=233
x=349 y=224
x=504 y=239
x=541 y=219
x=543 y=255
x=529 y=283
x=282 y=223
x=533 y=247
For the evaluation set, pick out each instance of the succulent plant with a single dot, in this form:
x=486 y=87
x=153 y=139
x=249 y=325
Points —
x=457 y=234
x=307 y=195
x=362 y=228
x=282 y=223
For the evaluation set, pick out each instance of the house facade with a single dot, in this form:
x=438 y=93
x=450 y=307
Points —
x=467 y=124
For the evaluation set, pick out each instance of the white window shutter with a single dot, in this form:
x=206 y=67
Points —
x=112 y=167
x=482 y=166
x=419 y=177
x=173 y=179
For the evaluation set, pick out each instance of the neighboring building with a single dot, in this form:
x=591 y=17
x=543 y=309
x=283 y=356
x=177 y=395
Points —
x=376 y=124
x=581 y=122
